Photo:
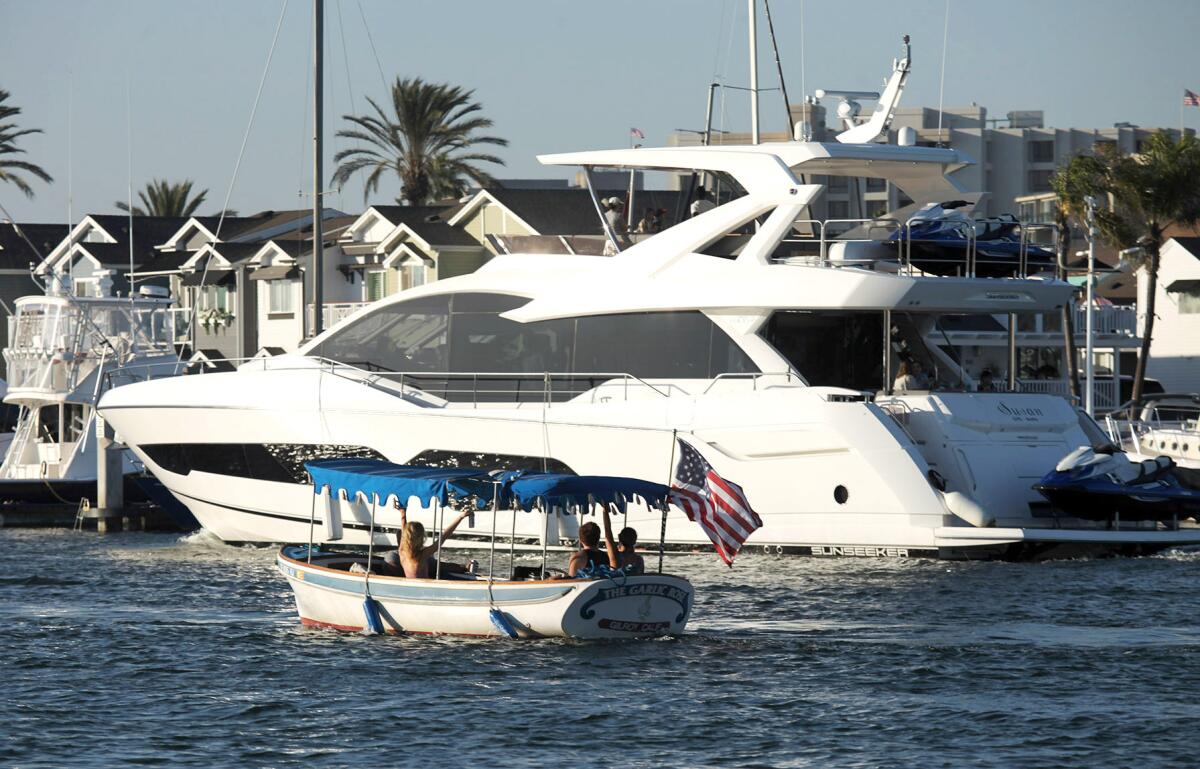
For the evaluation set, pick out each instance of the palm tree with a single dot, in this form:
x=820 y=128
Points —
x=1148 y=193
x=426 y=139
x=163 y=198
x=8 y=146
x=1072 y=183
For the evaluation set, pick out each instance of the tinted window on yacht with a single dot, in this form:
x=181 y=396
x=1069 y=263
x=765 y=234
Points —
x=678 y=345
x=464 y=334
x=443 y=458
x=277 y=462
x=831 y=349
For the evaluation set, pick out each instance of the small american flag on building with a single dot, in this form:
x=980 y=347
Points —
x=718 y=505
x=637 y=133
x=1191 y=98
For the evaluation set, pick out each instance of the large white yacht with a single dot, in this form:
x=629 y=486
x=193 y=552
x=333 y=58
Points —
x=747 y=329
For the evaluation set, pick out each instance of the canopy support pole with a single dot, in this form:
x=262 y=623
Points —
x=545 y=538
x=495 y=515
x=312 y=521
x=370 y=550
x=662 y=532
x=512 y=547
x=439 y=515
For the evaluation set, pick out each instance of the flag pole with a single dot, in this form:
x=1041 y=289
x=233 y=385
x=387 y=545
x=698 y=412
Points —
x=662 y=534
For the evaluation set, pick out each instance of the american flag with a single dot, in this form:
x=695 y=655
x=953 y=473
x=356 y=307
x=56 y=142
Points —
x=637 y=132
x=1191 y=98
x=718 y=505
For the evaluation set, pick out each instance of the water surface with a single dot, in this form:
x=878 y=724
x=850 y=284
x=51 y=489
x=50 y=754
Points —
x=152 y=649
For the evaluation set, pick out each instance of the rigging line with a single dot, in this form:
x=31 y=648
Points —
x=236 y=167
x=250 y=124
x=721 y=27
x=70 y=137
x=371 y=40
x=129 y=174
x=303 y=155
x=942 y=84
x=327 y=87
x=787 y=107
x=729 y=36
x=349 y=84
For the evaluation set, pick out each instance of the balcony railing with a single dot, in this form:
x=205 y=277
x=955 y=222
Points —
x=1104 y=398
x=333 y=313
x=1110 y=320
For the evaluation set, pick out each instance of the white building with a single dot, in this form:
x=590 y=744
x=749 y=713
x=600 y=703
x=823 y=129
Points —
x=1175 y=348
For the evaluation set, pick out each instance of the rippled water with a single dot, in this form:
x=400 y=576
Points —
x=155 y=650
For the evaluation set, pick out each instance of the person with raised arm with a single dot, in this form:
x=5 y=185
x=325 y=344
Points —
x=624 y=556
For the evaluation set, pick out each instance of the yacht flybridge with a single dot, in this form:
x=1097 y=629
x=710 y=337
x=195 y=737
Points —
x=62 y=353
x=785 y=347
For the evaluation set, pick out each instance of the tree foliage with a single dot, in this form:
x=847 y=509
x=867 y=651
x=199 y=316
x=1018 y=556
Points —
x=1142 y=197
x=163 y=198
x=12 y=170
x=427 y=139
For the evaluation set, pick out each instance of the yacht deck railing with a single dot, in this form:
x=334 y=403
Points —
x=825 y=237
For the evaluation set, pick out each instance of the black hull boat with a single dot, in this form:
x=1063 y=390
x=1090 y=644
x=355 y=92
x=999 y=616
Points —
x=1105 y=485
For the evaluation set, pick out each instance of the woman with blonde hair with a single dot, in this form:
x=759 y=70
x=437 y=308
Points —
x=413 y=557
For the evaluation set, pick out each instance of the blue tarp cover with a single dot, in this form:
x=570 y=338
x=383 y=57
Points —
x=381 y=480
x=566 y=491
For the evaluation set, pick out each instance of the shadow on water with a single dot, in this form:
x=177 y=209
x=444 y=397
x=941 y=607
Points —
x=191 y=651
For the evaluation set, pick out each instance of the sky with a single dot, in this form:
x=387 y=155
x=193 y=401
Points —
x=133 y=90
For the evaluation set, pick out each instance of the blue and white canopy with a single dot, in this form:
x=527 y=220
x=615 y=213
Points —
x=550 y=490
x=380 y=481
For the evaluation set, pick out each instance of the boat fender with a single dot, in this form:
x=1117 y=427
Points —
x=967 y=508
x=374 y=624
x=501 y=623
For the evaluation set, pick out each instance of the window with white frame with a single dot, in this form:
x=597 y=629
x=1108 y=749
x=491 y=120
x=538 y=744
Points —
x=280 y=296
x=416 y=274
x=376 y=284
x=213 y=298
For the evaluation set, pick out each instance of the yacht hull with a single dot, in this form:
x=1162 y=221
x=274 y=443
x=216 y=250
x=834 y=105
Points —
x=830 y=477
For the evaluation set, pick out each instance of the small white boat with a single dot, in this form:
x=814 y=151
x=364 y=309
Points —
x=329 y=594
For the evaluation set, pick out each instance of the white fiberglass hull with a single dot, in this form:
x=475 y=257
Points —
x=610 y=608
x=828 y=476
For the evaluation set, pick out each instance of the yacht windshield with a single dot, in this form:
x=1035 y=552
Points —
x=449 y=336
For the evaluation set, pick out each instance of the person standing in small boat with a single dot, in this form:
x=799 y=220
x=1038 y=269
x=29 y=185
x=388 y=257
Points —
x=624 y=556
x=412 y=558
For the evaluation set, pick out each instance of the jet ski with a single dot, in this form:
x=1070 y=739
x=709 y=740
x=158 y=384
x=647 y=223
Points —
x=936 y=242
x=1104 y=484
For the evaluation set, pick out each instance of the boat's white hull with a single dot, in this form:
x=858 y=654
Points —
x=622 y=607
x=790 y=449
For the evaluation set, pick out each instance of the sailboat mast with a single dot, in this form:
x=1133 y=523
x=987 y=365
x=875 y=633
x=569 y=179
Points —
x=754 y=136
x=318 y=106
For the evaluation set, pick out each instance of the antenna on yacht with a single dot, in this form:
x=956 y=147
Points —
x=849 y=108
